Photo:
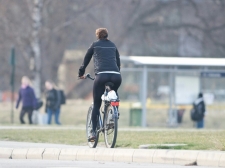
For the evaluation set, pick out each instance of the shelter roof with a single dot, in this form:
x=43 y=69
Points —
x=175 y=61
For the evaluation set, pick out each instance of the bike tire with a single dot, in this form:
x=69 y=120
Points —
x=110 y=127
x=89 y=128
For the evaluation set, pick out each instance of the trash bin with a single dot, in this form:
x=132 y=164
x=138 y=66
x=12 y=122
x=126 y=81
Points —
x=135 y=116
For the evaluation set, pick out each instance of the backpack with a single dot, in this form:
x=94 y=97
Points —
x=197 y=112
x=39 y=104
x=62 y=97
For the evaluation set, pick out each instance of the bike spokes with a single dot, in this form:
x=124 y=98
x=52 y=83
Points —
x=110 y=127
x=89 y=130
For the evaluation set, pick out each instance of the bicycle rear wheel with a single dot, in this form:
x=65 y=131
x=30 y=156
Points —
x=89 y=129
x=111 y=127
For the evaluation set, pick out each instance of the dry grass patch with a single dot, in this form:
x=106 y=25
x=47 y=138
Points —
x=195 y=140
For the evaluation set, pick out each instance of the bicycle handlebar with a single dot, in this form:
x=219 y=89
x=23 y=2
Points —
x=86 y=76
x=89 y=76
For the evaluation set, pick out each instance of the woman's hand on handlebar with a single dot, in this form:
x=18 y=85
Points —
x=86 y=76
x=81 y=77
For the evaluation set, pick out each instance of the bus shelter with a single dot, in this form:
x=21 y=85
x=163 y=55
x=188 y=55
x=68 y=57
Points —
x=183 y=89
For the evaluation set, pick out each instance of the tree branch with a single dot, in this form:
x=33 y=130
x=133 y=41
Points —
x=70 y=22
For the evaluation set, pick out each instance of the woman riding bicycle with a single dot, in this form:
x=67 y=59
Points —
x=107 y=69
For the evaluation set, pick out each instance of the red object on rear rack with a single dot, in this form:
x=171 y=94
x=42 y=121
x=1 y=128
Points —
x=115 y=103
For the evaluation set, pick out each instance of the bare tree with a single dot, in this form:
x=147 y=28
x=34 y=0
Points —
x=35 y=43
x=138 y=27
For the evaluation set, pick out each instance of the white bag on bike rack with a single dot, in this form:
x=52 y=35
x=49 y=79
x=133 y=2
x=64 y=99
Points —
x=111 y=96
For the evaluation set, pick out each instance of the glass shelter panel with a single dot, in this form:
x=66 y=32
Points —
x=158 y=95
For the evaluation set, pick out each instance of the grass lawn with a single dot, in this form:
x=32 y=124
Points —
x=195 y=140
x=75 y=111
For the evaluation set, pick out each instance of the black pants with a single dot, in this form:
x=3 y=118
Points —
x=98 y=90
x=25 y=110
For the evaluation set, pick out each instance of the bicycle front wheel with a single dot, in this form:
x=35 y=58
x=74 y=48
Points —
x=111 y=127
x=89 y=129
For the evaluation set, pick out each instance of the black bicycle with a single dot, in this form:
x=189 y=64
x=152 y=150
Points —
x=108 y=126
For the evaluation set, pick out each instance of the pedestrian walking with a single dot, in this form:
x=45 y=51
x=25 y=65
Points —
x=53 y=102
x=29 y=101
x=198 y=111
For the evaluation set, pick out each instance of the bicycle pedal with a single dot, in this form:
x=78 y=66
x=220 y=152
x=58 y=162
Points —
x=100 y=130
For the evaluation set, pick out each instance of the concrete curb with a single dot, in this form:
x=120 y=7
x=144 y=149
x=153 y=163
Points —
x=176 y=157
x=86 y=154
x=51 y=154
x=143 y=156
x=123 y=155
x=104 y=154
x=209 y=158
x=68 y=154
x=164 y=156
x=185 y=157
x=35 y=153
x=19 y=153
x=6 y=153
x=222 y=160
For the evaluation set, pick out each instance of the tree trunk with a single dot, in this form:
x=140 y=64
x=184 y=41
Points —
x=36 y=59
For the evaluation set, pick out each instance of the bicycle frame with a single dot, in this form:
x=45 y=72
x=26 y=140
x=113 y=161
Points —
x=100 y=121
x=107 y=122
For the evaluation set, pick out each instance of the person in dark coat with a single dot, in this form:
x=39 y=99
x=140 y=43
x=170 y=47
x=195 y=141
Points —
x=200 y=104
x=52 y=102
x=107 y=69
x=29 y=101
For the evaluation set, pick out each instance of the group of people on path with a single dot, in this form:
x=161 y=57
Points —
x=26 y=95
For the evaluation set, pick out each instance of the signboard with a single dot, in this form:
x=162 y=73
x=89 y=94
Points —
x=186 y=89
x=213 y=74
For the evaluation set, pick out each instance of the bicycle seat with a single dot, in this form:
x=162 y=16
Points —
x=109 y=86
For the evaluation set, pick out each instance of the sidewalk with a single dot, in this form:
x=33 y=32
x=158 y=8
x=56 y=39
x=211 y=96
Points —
x=62 y=127
x=23 y=150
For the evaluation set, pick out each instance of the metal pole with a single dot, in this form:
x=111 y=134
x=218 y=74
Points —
x=172 y=113
x=12 y=83
x=174 y=97
x=200 y=82
x=144 y=94
x=171 y=98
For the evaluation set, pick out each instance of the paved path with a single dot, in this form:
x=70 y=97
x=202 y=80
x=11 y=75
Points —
x=6 y=163
x=44 y=127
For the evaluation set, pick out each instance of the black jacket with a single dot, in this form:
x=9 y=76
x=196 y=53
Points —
x=52 y=100
x=106 y=57
x=199 y=105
